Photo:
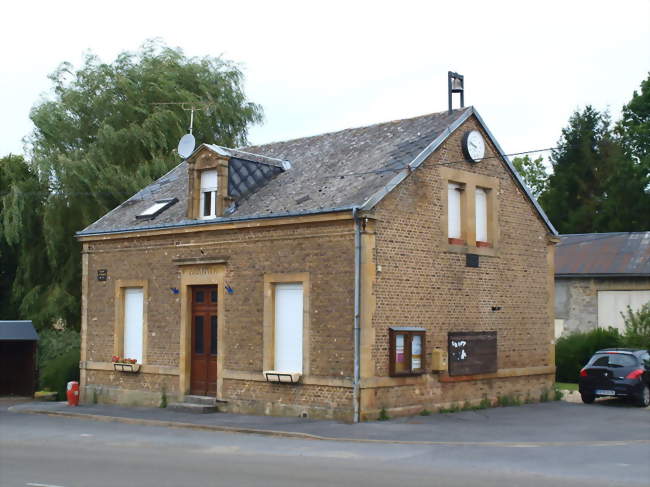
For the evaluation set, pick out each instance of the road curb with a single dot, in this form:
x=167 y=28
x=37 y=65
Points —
x=310 y=436
x=168 y=424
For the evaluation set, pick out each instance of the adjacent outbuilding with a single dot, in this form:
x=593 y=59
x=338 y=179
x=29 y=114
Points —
x=597 y=276
x=18 y=347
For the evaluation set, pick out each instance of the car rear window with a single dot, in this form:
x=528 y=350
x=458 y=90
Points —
x=613 y=360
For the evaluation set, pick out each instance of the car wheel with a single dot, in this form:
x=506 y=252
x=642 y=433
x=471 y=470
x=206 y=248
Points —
x=644 y=397
x=587 y=398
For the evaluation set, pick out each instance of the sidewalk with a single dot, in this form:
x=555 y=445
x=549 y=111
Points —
x=544 y=424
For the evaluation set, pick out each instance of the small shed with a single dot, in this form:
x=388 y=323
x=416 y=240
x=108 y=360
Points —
x=18 y=342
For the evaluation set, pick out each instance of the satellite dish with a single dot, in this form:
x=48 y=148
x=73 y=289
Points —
x=186 y=146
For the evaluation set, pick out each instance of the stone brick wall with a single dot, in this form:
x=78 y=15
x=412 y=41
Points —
x=433 y=395
x=324 y=250
x=314 y=401
x=423 y=283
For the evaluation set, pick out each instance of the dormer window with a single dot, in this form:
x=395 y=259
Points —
x=217 y=179
x=208 y=203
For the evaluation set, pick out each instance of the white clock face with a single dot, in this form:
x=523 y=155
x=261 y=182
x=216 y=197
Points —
x=475 y=146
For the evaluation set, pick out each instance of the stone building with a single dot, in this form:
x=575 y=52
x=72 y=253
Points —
x=329 y=276
x=597 y=276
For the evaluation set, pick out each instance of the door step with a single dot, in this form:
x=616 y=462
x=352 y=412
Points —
x=205 y=400
x=185 y=407
x=196 y=404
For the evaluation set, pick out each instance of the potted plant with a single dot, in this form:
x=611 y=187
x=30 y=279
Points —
x=124 y=364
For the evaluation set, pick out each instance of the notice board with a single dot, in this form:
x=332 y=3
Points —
x=473 y=352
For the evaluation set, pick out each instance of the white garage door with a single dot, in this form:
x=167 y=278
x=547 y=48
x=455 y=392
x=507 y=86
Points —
x=612 y=303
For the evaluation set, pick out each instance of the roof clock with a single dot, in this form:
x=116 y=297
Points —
x=474 y=146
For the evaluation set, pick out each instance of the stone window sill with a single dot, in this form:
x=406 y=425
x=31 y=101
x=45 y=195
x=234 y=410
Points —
x=456 y=241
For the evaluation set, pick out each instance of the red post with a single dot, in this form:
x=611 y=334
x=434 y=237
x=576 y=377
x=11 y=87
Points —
x=73 y=393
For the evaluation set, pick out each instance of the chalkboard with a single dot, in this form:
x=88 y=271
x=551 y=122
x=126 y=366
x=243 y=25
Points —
x=472 y=353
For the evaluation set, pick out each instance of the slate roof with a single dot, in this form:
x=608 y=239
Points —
x=331 y=172
x=622 y=254
x=17 y=330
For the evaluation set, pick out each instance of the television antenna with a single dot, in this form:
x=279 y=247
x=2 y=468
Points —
x=187 y=143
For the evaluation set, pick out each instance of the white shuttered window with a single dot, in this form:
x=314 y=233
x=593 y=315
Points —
x=288 y=327
x=481 y=215
x=453 y=211
x=209 y=194
x=133 y=322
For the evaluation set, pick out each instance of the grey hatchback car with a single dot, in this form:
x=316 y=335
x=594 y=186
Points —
x=621 y=372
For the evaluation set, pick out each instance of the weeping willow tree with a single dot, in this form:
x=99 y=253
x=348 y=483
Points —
x=23 y=264
x=102 y=136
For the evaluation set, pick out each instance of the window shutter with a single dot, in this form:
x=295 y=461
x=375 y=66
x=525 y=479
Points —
x=453 y=211
x=481 y=215
x=209 y=180
x=133 y=322
x=288 y=327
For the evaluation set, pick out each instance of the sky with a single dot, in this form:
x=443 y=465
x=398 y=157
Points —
x=317 y=67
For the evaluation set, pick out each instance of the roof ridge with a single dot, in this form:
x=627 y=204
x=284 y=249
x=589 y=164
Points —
x=398 y=120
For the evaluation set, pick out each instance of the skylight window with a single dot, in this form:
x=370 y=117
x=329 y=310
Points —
x=156 y=209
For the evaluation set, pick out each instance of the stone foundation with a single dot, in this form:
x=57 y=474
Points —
x=100 y=394
x=297 y=400
x=433 y=395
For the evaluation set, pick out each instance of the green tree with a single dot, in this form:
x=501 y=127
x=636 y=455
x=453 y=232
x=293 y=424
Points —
x=625 y=200
x=594 y=187
x=8 y=309
x=24 y=267
x=533 y=173
x=633 y=130
x=104 y=135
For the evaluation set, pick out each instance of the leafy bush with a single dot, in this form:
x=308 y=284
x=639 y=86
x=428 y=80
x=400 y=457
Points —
x=573 y=351
x=55 y=343
x=637 y=327
x=59 y=371
x=58 y=359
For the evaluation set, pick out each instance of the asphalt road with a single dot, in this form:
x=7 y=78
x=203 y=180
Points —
x=55 y=451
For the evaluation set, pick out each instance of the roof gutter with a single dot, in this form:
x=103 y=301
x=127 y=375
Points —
x=356 y=396
x=612 y=274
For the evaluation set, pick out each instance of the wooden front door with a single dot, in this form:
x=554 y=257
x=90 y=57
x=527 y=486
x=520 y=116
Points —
x=203 y=372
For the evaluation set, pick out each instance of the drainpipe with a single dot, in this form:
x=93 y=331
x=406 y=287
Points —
x=356 y=397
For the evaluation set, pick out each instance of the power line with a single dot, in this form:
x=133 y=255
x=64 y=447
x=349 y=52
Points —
x=398 y=169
